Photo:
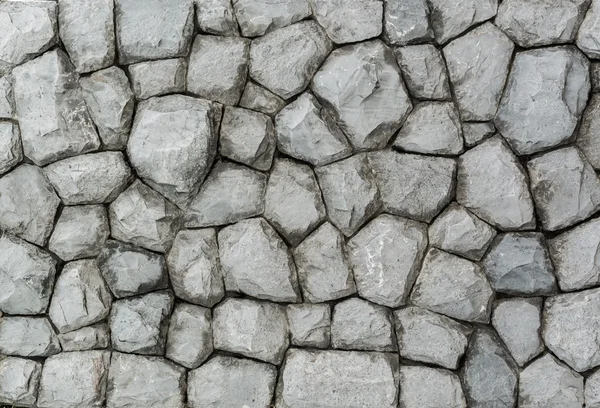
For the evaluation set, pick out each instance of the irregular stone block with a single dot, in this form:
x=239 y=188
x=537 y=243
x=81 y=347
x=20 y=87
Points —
x=27 y=337
x=423 y=67
x=260 y=99
x=19 y=380
x=190 y=339
x=7 y=100
x=592 y=390
x=476 y=132
x=426 y=387
x=588 y=137
x=257 y=17
x=11 y=151
x=349 y=20
x=156 y=78
x=450 y=18
x=92 y=337
x=406 y=22
x=216 y=17
x=310 y=324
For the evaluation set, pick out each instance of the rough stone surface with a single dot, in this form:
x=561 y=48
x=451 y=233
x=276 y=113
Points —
x=592 y=390
x=92 y=337
x=423 y=67
x=7 y=103
x=349 y=20
x=216 y=17
x=406 y=22
x=189 y=339
x=476 y=132
x=450 y=18
x=156 y=78
x=595 y=76
x=260 y=99
x=11 y=151
x=426 y=387
x=27 y=337
x=588 y=137
x=588 y=36
x=257 y=17
x=19 y=380
x=310 y=325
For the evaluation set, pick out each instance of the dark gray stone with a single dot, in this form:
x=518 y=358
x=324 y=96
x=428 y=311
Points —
x=423 y=67
x=257 y=17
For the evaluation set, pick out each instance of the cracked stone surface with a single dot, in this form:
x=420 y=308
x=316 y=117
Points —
x=310 y=325
x=423 y=69
x=476 y=132
x=451 y=18
x=406 y=22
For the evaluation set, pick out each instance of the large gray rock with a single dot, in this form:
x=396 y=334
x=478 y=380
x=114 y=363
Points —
x=338 y=379
x=591 y=391
x=253 y=329
x=28 y=203
x=493 y=185
x=588 y=137
x=156 y=78
x=11 y=151
x=260 y=99
x=285 y=60
x=426 y=387
x=478 y=65
x=406 y=22
x=216 y=17
x=256 y=262
x=588 y=36
x=476 y=132
x=362 y=87
x=173 y=143
x=257 y=17
x=189 y=339
x=450 y=18
x=545 y=95
x=386 y=256
x=310 y=324
x=349 y=20
x=19 y=380
x=423 y=68
x=27 y=337
x=92 y=337
x=53 y=116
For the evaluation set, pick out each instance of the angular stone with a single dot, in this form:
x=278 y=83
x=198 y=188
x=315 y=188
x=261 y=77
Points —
x=72 y=380
x=476 y=132
x=231 y=382
x=27 y=337
x=453 y=286
x=189 y=340
x=293 y=203
x=588 y=137
x=110 y=101
x=173 y=143
x=284 y=61
x=247 y=137
x=89 y=179
x=306 y=131
x=216 y=17
x=431 y=128
x=256 y=262
x=80 y=232
x=413 y=186
x=53 y=116
x=458 y=231
x=591 y=391
x=492 y=184
x=142 y=381
x=323 y=268
x=26 y=276
x=349 y=20
x=260 y=99
x=430 y=337
x=130 y=271
x=91 y=45
x=257 y=17
x=29 y=204
x=7 y=102
x=92 y=337
x=156 y=78
x=386 y=256
x=423 y=69
x=230 y=193
x=450 y=18
x=338 y=379
x=565 y=188
x=194 y=267
x=406 y=22
x=253 y=329
x=11 y=152
x=426 y=387
x=594 y=76
x=160 y=29
x=19 y=380
x=139 y=325
x=310 y=324
x=546 y=93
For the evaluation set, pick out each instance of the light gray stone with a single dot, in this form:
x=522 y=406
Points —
x=189 y=340
x=423 y=69
x=7 y=100
x=27 y=337
x=19 y=380
x=476 y=132
x=426 y=387
x=11 y=151
x=349 y=20
x=216 y=17
x=406 y=22
x=450 y=18
x=92 y=337
x=592 y=390
x=156 y=78
x=310 y=324
x=588 y=137
x=260 y=99
x=257 y=17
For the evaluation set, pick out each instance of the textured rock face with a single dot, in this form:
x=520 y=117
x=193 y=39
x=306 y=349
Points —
x=19 y=381
x=10 y=146
x=450 y=18
x=92 y=337
x=189 y=340
x=425 y=387
x=27 y=337
x=156 y=78
x=406 y=22
x=423 y=69
x=216 y=17
x=592 y=390
x=476 y=132
x=349 y=20
x=589 y=136
x=589 y=33
x=257 y=17
x=260 y=99
x=310 y=325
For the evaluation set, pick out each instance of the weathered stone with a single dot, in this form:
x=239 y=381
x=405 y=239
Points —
x=256 y=261
x=450 y=18
x=260 y=99
x=594 y=76
x=7 y=102
x=545 y=95
x=216 y=17
x=385 y=257
x=349 y=20
x=156 y=78
x=285 y=60
x=27 y=337
x=591 y=391
x=426 y=387
x=19 y=380
x=492 y=184
x=11 y=151
x=588 y=138
x=476 y=132
x=254 y=329
x=423 y=69
x=189 y=340
x=257 y=17
x=453 y=286
x=310 y=325
x=406 y=22
x=92 y=337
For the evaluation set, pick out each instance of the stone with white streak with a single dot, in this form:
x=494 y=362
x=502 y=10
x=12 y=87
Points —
x=406 y=22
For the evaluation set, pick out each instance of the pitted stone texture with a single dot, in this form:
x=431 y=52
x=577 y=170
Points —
x=73 y=380
x=257 y=17
x=87 y=32
x=359 y=325
x=478 y=65
x=453 y=286
x=247 y=137
x=492 y=184
x=260 y=99
x=386 y=256
x=588 y=138
x=139 y=324
x=110 y=102
x=594 y=76
x=349 y=20
x=338 y=379
x=431 y=128
x=430 y=337
x=11 y=151
x=253 y=329
x=216 y=17
x=29 y=204
x=144 y=382
x=310 y=325
x=173 y=143
x=27 y=337
x=53 y=116
x=545 y=95
x=156 y=78
x=406 y=22
x=89 y=179
x=92 y=337
x=194 y=267
x=423 y=69
x=231 y=382
x=7 y=102
x=26 y=276
x=28 y=29
x=413 y=186
x=189 y=340
x=588 y=37
x=323 y=268
x=450 y=18
x=130 y=271
x=548 y=383
x=159 y=29
x=142 y=217
x=591 y=391
x=518 y=323
x=362 y=86
x=565 y=188
x=285 y=60
x=256 y=262
x=81 y=297
x=426 y=387
x=19 y=380
x=306 y=131
x=230 y=193
x=293 y=202
x=476 y=132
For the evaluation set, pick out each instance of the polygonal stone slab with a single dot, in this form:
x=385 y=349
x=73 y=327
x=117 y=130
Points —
x=27 y=337
x=349 y=20
x=426 y=387
x=591 y=391
x=155 y=78
x=189 y=340
x=423 y=67
x=588 y=137
x=260 y=99
x=588 y=35
x=11 y=151
x=257 y=17
x=19 y=380
x=216 y=17
x=406 y=22
x=310 y=324
x=450 y=18
x=476 y=132
x=92 y=337
x=7 y=102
